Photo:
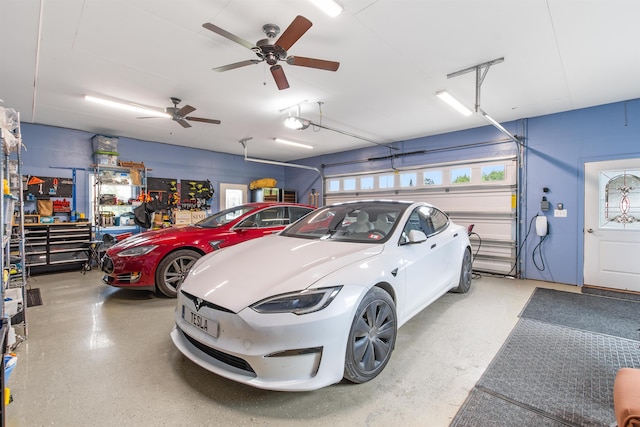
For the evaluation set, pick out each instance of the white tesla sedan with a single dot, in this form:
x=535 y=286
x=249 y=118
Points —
x=323 y=299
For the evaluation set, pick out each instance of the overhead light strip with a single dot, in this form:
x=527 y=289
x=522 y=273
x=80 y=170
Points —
x=126 y=107
x=294 y=144
x=453 y=102
x=330 y=7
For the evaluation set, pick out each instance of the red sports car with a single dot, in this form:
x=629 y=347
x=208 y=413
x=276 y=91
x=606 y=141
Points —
x=159 y=260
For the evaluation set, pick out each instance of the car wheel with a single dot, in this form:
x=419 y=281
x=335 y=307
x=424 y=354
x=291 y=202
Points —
x=464 y=283
x=173 y=269
x=372 y=337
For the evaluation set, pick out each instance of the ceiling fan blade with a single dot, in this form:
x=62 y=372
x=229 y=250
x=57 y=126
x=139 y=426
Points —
x=183 y=123
x=313 y=63
x=185 y=110
x=294 y=31
x=237 y=65
x=279 y=77
x=150 y=117
x=200 y=119
x=228 y=35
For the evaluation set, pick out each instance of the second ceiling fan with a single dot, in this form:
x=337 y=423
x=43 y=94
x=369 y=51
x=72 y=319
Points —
x=272 y=52
x=181 y=114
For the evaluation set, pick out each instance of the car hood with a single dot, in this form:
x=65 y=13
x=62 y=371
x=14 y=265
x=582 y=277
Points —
x=169 y=236
x=241 y=275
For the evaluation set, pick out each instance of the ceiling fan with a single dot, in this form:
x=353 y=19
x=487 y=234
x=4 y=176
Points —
x=272 y=52
x=180 y=115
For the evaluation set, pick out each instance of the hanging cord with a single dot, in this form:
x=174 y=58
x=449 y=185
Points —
x=522 y=244
x=539 y=248
x=476 y=275
x=319 y=127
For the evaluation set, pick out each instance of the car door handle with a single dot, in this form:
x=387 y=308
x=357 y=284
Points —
x=433 y=246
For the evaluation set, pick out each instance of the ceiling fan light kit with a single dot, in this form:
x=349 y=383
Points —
x=273 y=52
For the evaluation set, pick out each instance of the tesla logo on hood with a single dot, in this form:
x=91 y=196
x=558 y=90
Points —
x=199 y=303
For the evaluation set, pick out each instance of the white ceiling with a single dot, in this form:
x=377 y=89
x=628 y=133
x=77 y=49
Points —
x=394 y=56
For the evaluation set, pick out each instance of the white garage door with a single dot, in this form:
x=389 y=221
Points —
x=481 y=192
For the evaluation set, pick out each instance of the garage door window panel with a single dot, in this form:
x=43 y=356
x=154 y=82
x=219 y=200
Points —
x=432 y=177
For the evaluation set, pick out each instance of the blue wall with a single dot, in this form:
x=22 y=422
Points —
x=558 y=145
x=555 y=150
x=48 y=148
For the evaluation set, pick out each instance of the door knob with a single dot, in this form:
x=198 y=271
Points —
x=590 y=230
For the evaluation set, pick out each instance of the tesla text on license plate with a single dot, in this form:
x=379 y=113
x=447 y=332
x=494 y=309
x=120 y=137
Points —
x=209 y=326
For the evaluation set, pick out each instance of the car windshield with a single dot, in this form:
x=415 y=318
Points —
x=224 y=217
x=368 y=222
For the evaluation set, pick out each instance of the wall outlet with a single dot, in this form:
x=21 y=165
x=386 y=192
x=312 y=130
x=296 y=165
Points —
x=560 y=213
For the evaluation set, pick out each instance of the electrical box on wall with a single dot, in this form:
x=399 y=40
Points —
x=544 y=205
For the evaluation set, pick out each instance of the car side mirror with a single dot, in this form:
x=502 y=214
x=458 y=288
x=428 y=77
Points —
x=416 y=236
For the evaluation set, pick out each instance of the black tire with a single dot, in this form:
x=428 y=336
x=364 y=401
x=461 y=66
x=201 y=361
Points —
x=372 y=337
x=464 y=284
x=173 y=269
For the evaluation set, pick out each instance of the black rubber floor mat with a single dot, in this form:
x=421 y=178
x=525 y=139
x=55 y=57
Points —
x=612 y=293
x=484 y=409
x=611 y=316
x=561 y=374
x=33 y=297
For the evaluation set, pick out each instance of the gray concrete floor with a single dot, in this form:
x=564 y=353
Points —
x=100 y=356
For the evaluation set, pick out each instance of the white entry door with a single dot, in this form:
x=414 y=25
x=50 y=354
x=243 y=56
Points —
x=612 y=224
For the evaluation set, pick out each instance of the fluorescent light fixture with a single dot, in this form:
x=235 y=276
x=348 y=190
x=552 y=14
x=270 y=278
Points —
x=498 y=126
x=296 y=123
x=295 y=144
x=330 y=7
x=457 y=105
x=127 y=107
x=493 y=121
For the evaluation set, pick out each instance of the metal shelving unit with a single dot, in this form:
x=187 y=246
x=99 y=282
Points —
x=116 y=181
x=12 y=252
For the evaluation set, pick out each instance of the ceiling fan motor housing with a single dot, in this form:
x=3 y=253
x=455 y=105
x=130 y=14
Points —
x=272 y=53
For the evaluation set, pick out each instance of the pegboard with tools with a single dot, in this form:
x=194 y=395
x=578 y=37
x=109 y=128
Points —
x=195 y=194
x=43 y=187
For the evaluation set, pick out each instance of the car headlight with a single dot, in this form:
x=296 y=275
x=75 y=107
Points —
x=302 y=302
x=138 y=251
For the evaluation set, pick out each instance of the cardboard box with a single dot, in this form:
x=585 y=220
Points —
x=181 y=218
x=197 y=216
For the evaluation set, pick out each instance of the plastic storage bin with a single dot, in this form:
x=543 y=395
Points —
x=105 y=144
